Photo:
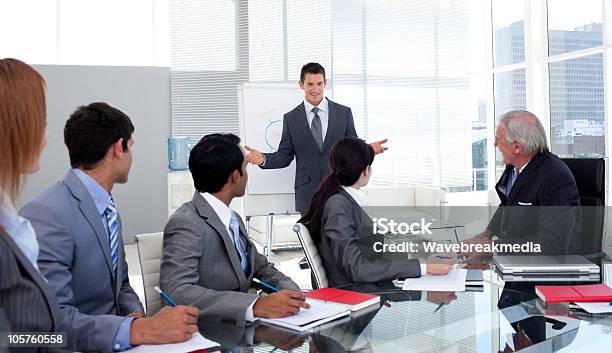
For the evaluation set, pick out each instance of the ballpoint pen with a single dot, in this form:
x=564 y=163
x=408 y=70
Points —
x=265 y=284
x=438 y=308
x=165 y=296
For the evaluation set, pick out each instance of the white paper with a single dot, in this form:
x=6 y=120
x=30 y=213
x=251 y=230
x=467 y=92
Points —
x=196 y=342
x=306 y=319
x=454 y=281
x=318 y=310
x=596 y=308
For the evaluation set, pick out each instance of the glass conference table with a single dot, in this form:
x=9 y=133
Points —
x=493 y=320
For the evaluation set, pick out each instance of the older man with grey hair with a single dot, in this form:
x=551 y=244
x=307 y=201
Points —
x=537 y=190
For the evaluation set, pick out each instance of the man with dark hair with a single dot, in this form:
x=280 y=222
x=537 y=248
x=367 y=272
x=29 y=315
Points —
x=81 y=247
x=309 y=132
x=208 y=260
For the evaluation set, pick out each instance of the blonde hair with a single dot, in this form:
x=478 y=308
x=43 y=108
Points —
x=22 y=122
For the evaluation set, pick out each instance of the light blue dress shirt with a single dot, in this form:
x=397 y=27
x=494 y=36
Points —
x=20 y=230
x=101 y=199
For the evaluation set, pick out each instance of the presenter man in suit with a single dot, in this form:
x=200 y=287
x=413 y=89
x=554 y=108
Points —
x=81 y=247
x=538 y=193
x=208 y=260
x=309 y=132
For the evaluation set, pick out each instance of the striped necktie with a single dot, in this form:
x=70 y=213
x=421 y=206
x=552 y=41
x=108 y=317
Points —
x=317 y=128
x=511 y=180
x=238 y=242
x=113 y=232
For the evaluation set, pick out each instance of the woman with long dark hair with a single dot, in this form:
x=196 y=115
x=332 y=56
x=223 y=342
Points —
x=343 y=231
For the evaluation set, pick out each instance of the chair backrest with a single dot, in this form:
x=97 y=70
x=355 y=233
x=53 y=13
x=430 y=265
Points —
x=312 y=255
x=149 y=256
x=591 y=180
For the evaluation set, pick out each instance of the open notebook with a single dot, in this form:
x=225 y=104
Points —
x=320 y=312
x=196 y=342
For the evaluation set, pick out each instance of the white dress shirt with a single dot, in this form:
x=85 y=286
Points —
x=225 y=215
x=362 y=200
x=323 y=114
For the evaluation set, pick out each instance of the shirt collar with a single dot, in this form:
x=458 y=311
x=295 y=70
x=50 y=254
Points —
x=100 y=196
x=359 y=196
x=522 y=168
x=323 y=106
x=9 y=218
x=20 y=230
x=223 y=212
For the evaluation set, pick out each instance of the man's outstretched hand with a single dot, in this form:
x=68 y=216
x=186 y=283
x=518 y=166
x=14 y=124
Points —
x=254 y=156
x=378 y=146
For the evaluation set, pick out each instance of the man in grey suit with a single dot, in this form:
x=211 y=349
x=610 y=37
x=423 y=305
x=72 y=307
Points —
x=309 y=132
x=81 y=248
x=208 y=260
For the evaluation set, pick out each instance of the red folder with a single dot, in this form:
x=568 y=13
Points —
x=354 y=300
x=577 y=294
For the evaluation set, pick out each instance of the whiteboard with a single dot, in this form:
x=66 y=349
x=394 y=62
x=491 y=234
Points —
x=262 y=106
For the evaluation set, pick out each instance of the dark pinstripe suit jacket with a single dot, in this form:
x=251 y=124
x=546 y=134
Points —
x=27 y=304
x=542 y=206
x=312 y=164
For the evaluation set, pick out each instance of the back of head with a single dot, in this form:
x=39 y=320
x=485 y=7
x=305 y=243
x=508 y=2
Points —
x=22 y=122
x=91 y=130
x=213 y=159
x=311 y=68
x=524 y=127
x=349 y=157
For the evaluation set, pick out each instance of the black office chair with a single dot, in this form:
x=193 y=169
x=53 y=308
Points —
x=590 y=179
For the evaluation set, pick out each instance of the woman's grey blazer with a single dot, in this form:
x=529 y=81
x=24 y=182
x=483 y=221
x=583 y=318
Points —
x=346 y=246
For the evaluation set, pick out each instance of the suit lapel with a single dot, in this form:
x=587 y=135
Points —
x=90 y=212
x=209 y=214
x=524 y=177
x=332 y=125
x=502 y=185
x=35 y=276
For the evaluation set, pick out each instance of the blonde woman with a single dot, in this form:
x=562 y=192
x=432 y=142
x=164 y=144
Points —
x=27 y=304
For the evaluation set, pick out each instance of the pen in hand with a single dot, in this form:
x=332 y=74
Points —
x=274 y=289
x=166 y=297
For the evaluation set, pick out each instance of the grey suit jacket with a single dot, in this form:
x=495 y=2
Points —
x=200 y=265
x=346 y=246
x=312 y=164
x=27 y=304
x=75 y=259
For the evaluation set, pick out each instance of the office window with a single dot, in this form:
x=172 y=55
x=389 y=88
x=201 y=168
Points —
x=29 y=35
x=308 y=35
x=574 y=25
x=95 y=32
x=204 y=37
x=510 y=94
x=577 y=107
x=508 y=32
x=209 y=59
x=407 y=70
x=266 y=41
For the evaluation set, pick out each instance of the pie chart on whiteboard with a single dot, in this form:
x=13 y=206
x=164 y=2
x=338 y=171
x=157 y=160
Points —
x=273 y=133
x=262 y=109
